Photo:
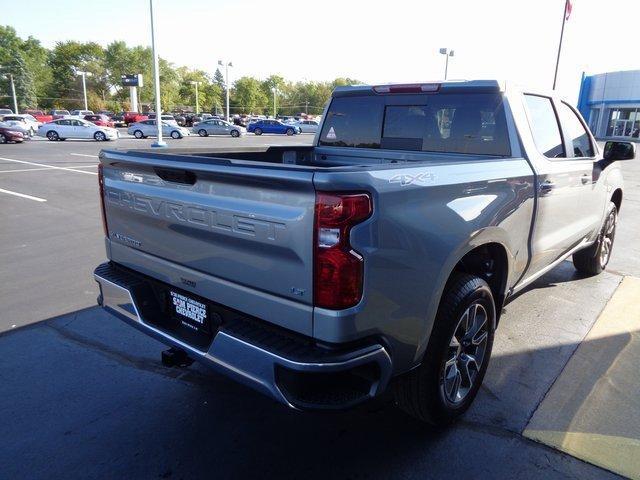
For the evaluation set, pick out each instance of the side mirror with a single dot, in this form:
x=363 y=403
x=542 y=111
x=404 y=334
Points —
x=619 y=151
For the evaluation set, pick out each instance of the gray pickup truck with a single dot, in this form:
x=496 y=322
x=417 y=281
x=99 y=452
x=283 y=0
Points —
x=378 y=258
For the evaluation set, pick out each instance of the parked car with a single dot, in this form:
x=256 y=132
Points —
x=64 y=128
x=191 y=119
x=272 y=126
x=80 y=113
x=180 y=119
x=380 y=256
x=307 y=126
x=100 y=120
x=39 y=115
x=133 y=117
x=166 y=118
x=25 y=123
x=108 y=113
x=118 y=120
x=10 y=134
x=217 y=127
x=148 y=128
x=56 y=114
x=6 y=111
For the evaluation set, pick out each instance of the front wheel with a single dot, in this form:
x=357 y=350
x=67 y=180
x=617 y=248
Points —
x=99 y=136
x=258 y=131
x=594 y=259
x=443 y=387
x=138 y=134
x=290 y=131
x=202 y=132
x=3 y=139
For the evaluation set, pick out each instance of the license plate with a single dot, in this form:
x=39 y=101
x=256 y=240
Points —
x=191 y=313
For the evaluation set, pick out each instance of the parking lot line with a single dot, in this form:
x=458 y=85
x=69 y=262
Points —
x=83 y=155
x=19 y=170
x=22 y=195
x=47 y=166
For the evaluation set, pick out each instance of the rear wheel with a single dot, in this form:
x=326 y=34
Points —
x=594 y=259
x=202 y=132
x=99 y=136
x=443 y=387
x=3 y=139
x=175 y=135
x=138 y=134
x=258 y=131
x=53 y=136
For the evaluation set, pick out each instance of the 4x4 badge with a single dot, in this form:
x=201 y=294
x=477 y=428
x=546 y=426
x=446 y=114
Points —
x=407 y=179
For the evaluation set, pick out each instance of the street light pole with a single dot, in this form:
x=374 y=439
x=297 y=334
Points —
x=13 y=93
x=156 y=81
x=447 y=53
x=226 y=82
x=275 y=91
x=197 y=103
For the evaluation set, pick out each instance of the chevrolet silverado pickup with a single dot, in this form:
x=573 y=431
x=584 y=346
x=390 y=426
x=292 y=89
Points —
x=379 y=258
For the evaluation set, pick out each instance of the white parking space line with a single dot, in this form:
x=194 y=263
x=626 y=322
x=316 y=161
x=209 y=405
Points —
x=48 y=166
x=83 y=155
x=41 y=169
x=22 y=195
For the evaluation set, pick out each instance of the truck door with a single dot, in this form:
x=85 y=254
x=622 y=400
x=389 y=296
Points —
x=563 y=217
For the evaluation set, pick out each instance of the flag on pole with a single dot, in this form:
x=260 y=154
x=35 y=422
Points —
x=567 y=9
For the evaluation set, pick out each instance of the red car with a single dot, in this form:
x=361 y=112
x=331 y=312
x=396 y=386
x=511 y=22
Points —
x=9 y=135
x=40 y=116
x=133 y=117
x=100 y=120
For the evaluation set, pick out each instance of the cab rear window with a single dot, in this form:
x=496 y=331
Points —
x=471 y=123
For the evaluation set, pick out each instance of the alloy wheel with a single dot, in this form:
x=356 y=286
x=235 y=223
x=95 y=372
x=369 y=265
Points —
x=607 y=239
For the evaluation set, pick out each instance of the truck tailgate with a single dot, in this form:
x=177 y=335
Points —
x=251 y=226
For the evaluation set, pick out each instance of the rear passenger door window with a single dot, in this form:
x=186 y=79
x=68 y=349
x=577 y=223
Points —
x=544 y=126
x=577 y=136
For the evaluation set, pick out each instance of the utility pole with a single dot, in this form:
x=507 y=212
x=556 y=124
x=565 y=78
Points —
x=197 y=102
x=306 y=107
x=275 y=92
x=13 y=91
x=226 y=82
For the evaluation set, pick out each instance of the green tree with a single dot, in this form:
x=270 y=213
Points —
x=248 y=96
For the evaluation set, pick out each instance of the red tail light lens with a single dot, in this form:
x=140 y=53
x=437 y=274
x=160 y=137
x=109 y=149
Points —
x=338 y=268
x=102 y=209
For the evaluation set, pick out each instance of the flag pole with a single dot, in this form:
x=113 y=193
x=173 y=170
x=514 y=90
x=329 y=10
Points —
x=564 y=19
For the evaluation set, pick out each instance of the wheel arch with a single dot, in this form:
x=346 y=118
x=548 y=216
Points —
x=616 y=198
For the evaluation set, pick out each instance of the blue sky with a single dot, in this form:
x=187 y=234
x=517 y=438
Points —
x=374 y=41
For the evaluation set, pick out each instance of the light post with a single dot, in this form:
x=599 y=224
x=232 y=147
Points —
x=226 y=66
x=275 y=92
x=13 y=92
x=84 y=86
x=197 y=103
x=447 y=53
x=156 y=81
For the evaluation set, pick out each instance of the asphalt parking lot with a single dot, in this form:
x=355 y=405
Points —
x=86 y=396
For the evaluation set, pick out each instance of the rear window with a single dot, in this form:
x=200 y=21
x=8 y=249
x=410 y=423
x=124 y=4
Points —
x=457 y=123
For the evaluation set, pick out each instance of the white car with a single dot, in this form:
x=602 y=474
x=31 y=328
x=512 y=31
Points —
x=170 y=119
x=80 y=113
x=25 y=123
x=64 y=128
x=308 y=126
x=148 y=128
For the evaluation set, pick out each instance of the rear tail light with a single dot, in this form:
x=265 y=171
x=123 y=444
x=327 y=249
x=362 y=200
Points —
x=102 y=209
x=338 y=269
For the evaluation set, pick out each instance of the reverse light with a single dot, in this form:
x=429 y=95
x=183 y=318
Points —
x=102 y=209
x=338 y=268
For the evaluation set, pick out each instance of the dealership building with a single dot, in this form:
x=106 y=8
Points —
x=610 y=103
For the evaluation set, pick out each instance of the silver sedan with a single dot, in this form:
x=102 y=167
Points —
x=147 y=128
x=218 y=127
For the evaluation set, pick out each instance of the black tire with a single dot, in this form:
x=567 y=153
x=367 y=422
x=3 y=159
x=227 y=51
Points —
x=138 y=134
x=202 y=132
x=99 y=137
x=176 y=135
x=258 y=131
x=290 y=131
x=3 y=139
x=594 y=259
x=53 y=136
x=425 y=392
x=235 y=133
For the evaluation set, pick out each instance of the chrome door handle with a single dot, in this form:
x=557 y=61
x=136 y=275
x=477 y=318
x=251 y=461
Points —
x=586 y=178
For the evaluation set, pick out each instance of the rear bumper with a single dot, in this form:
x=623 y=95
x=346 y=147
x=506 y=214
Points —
x=298 y=374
